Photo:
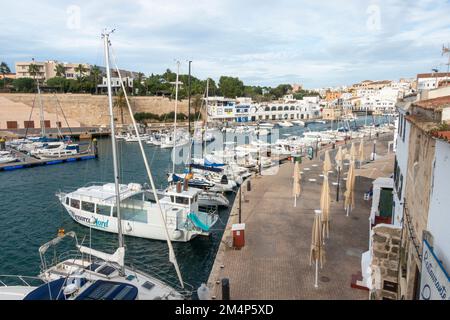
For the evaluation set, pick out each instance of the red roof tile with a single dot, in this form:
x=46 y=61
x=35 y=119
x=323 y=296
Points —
x=433 y=75
x=443 y=135
x=435 y=103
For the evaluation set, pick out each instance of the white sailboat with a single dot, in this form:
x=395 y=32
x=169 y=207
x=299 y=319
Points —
x=95 y=275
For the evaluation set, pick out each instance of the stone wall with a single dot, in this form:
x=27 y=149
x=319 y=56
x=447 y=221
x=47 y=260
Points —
x=385 y=261
x=92 y=110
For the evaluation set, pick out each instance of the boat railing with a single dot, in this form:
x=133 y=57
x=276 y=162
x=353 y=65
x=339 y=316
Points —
x=64 y=256
x=7 y=280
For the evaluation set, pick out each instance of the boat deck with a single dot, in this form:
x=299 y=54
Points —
x=274 y=263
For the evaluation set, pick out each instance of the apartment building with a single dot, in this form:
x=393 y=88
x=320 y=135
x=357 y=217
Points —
x=427 y=81
x=243 y=110
x=47 y=70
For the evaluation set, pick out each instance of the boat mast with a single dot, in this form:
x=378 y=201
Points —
x=105 y=36
x=172 y=257
x=41 y=108
x=206 y=120
x=175 y=119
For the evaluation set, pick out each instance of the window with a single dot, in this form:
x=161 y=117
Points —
x=103 y=210
x=75 y=203
x=88 y=206
x=68 y=201
x=182 y=200
x=134 y=214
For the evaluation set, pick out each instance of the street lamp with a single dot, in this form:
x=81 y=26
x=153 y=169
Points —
x=374 y=150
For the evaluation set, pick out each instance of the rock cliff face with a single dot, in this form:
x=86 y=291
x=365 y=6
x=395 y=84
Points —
x=92 y=110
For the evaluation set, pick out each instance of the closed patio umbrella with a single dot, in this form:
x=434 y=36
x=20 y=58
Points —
x=325 y=206
x=317 y=251
x=361 y=152
x=349 y=202
x=327 y=163
x=296 y=187
x=352 y=155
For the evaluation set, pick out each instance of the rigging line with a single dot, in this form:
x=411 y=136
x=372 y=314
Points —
x=62 y=111
x=57 y=119
x=172 y=257
x=31 y=113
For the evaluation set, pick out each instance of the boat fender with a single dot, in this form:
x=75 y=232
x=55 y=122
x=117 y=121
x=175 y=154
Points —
x=92 y=221
x=177 y=234
x=128 y=228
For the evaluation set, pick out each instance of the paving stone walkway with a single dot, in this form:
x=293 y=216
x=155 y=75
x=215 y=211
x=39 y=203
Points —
x=274 y=264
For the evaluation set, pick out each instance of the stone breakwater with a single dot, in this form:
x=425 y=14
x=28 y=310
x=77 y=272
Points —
x=87 y=109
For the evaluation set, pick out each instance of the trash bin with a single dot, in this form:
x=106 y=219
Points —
x=238 y=231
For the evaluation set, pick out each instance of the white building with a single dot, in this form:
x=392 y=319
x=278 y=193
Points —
x=427 y=81
x=238 y=110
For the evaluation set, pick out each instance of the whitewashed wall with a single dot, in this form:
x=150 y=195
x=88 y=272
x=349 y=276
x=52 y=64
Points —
x=439 y=213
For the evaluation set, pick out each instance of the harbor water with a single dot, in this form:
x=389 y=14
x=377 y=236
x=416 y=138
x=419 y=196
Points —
x=31 y=215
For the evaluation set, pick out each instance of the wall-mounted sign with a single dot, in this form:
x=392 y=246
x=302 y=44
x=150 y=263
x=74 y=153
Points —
x=435 y=281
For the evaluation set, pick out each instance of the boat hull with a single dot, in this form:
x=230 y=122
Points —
x=131 y=228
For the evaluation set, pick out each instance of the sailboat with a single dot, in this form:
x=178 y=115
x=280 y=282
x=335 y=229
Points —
x=96 y=275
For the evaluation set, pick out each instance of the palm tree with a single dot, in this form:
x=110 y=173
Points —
x=4 y=69
x=33 y=70
x=60 y=70
x=120 y=103
x=95 y=73
x=81 y=70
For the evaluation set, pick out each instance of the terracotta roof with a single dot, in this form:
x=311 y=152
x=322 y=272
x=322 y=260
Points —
x=445 y=135
x=433 y=75
x=435 y=104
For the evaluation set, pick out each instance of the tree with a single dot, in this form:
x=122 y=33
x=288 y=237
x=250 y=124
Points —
x=280 y=90
x=57 y=82
x=4 y=69
x=23 y=85
x=60 y=70
x=95 y=75
x=33 y=70
x=120 y=103
x=81 y=70
x=231 y=87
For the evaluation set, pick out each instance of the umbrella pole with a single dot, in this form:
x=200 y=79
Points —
x=348 y=210
x=316 y=285
x=295 y=201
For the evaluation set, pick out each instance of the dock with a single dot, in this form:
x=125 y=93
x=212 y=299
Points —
x=27 y=161
x=275 y=261
x=30 y=162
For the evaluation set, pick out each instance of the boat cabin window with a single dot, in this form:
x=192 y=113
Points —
x=74 y=203
x=87 y=206
x=68 y=201
x=103 y=210
x=180 y=200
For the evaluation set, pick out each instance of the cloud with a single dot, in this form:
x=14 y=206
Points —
x=262 y=42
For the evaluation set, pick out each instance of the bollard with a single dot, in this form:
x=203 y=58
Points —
x=249 y=186
x=225 y=289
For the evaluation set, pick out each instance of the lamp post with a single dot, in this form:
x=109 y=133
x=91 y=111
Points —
x=240 y=203
x=189 y=98
x=374 y=150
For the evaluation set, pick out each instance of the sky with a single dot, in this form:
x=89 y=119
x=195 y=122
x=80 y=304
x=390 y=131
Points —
x=314 y=43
